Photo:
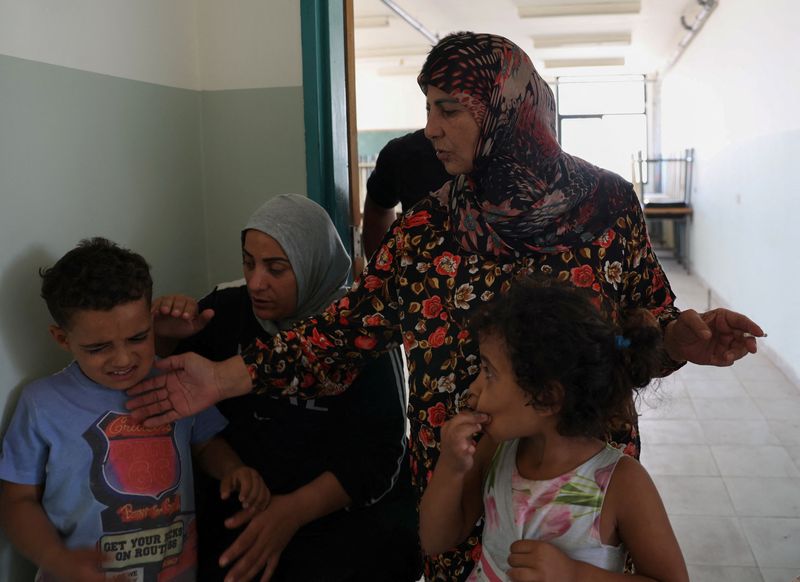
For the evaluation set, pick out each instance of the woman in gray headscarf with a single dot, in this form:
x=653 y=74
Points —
x=317 y=456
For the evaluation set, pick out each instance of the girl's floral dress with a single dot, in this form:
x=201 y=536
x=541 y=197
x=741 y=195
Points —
x=419 y=289
x=564 y=511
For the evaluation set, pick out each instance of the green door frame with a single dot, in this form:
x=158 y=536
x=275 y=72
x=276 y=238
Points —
x=325 y=106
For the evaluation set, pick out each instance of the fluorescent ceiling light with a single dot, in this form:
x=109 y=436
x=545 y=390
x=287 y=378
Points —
x=585 y=9
x=392 y=51
x=579 y=40
x=371 y=21
x=562 y=63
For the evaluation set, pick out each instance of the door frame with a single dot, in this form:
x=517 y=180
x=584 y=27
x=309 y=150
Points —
x=329 y=111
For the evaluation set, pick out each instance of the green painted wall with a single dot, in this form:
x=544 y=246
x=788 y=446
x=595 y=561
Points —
x=171 y=173
x=84 y=154
x=371 y=142
x=254 y=149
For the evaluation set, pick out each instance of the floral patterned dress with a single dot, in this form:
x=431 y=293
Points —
x=420 y=288
x=564 y=511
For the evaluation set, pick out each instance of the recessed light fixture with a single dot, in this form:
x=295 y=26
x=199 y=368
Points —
x=579 y=40
x=583 y=9
x=565 y=63
x=371 y=21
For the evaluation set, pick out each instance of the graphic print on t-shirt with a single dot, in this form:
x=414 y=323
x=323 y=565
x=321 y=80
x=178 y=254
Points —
x=136 y=474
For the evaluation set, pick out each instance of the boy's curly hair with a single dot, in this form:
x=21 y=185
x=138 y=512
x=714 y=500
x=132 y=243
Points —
x=566 y=354
x=96 y=275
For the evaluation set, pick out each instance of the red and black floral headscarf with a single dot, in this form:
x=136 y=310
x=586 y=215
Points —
x=524 y=194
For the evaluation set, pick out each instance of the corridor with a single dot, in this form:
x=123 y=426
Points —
x=723 y=447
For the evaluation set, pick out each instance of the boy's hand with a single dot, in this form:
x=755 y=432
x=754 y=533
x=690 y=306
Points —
x=177 y=316
x=458 y=442
x=537 y=561
x=254 y=495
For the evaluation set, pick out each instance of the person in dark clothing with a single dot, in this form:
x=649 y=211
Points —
x=341 y=510
x=406 y=170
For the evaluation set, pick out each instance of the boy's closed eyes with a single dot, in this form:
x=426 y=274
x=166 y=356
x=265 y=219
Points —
x=115 y=347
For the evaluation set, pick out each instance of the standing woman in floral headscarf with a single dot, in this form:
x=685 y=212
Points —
x=517 y=206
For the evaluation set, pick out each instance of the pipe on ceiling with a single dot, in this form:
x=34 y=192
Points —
x=708 y=7
x=413 y=22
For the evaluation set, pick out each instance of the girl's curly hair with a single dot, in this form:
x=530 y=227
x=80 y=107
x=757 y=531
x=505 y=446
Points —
x=566 y=354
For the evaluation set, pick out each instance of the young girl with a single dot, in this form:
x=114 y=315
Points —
x=559 y=503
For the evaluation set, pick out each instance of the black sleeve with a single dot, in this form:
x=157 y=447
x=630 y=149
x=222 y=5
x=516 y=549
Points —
x=219 y=340
x=366 y=459
x=382 y=184
x=406 y=171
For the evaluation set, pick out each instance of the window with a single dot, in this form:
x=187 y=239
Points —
x=603 y=121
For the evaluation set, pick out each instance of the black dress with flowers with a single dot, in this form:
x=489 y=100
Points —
x=420 y=289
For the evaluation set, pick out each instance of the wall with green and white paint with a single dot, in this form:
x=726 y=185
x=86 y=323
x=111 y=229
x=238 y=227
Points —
x=160 y=125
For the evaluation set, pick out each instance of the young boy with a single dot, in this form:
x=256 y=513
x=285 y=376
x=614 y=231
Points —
x=88 y=494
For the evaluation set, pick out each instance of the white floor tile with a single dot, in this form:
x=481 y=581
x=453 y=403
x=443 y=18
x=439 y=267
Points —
x=794 y=453
x=692 y=371
x=738 y=432
x=778 y=574
x=759 y=373
x=694 y=495
x=750 y=461
x=695 y=460
x=759 y=388
x=741 y=422
x=757 y=360
x=764 y=497
x=775 y=541
x=666 y=407
x=712 y=541
x=671 y=432
x=780 y=408
x=787 y=431
x=727 y=408
x=729 y=388
x=724 y=574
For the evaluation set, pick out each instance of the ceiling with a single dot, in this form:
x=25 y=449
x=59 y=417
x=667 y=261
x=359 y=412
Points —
x=641 y=40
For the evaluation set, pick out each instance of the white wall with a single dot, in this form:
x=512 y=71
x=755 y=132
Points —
x=145 y=40
x=734 y=97
x=249 y=44
x=245 y=44
x=387 y=101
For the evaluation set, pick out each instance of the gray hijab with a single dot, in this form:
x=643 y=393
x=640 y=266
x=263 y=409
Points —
x=319 y=260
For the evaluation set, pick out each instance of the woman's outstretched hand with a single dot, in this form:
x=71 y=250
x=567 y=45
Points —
x=717 y=338
x=189 y=385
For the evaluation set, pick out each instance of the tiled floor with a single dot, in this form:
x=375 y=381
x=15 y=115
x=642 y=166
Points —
x=723 y=447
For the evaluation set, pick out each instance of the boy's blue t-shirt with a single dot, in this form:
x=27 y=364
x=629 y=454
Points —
x=109 y=483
